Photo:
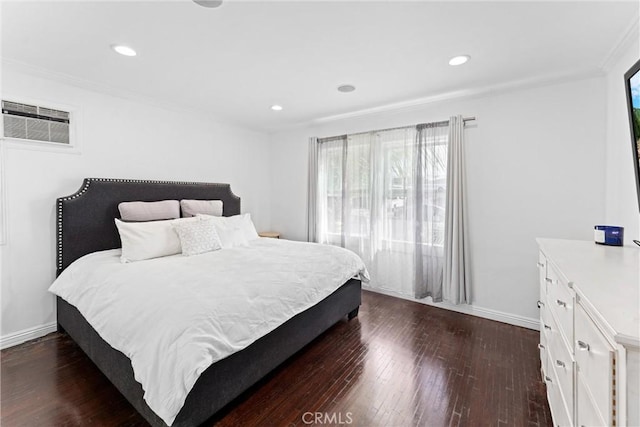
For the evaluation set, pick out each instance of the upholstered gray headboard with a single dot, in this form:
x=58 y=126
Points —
x=85 y=220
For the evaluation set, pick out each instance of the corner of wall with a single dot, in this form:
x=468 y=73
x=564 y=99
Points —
x=621 y=203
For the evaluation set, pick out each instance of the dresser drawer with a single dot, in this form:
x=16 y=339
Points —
x=549 y=334
x=548 y=328
x=542 y=271
x=542 y=274
x=559 y=411
x=594 y=357
x=561 y=361
x=544 y=326
x=542 y=298
x=560 y=302
x=587 y=412
x=543 y=350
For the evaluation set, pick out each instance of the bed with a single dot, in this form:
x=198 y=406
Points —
x=85 y=224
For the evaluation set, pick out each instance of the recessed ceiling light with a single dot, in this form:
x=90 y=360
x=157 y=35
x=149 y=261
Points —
x=209 y=3
x=459 y=60
x=276 y=107
x=123 y=50
x=346 y=88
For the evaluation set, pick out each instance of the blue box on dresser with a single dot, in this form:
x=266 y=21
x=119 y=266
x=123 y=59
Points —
x=610 y=235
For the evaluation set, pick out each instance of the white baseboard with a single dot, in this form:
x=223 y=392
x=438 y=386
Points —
x=486 y=313
x=27 y=334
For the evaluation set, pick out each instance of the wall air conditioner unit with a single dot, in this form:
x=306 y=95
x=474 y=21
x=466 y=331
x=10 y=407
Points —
x=33 y=123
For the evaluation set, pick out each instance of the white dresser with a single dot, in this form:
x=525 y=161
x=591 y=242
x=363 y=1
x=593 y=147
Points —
x=590 y=332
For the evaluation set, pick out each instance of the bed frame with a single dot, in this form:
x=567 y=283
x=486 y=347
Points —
x=85 y=224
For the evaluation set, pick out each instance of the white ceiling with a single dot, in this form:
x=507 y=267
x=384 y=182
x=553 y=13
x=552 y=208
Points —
x=235 y=61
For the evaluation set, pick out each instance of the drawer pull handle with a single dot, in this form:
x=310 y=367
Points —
x=546 y=279
x=583 y=345
x=547 y=379
x=561 y=303
x=560 y=363
x=540 y=264
x=540 y=304
x=541 y=347
x=547 y=326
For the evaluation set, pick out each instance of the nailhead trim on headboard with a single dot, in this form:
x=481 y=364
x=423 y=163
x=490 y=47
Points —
x=85 y=187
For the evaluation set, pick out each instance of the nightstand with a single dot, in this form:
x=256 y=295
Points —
x=271 y=234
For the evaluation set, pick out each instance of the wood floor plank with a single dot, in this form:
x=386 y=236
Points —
x=398 y=363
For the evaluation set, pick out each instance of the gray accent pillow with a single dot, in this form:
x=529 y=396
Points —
x=204 y=207
x=149 y=211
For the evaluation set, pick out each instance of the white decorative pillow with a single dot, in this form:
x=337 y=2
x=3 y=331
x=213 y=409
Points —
x=230 y=234
x=205 y=207
x=199 y=236
x=248 y=228
x=235 y=230
x=146 y=240
x=149 y=211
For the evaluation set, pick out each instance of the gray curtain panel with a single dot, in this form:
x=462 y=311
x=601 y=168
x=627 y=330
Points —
x=312 y=190
x=456 y=280
x=330 y=190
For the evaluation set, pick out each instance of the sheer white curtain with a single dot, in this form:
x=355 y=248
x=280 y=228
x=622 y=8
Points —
x=382 y=195
x=431 y=191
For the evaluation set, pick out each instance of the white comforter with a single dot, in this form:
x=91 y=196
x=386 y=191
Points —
x=175 y=316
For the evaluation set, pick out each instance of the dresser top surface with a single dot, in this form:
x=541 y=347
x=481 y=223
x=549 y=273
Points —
x=607 y=277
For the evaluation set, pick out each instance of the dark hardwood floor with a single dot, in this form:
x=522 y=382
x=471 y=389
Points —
x=398 y=363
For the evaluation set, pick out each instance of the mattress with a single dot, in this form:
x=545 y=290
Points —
x=175 y=316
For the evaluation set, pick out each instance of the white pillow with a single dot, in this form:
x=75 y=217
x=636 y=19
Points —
x=146 y=240
x=235 y=230
x=197 y=237
x=230 y=232
x=246 y=225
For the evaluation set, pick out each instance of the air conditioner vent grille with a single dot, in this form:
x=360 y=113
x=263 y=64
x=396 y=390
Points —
x=35 y=123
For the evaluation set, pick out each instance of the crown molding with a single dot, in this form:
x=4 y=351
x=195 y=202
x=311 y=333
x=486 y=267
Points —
x=35 y=71
x=392 y=107
x=466 y=93
x=629 y=36
x=41 y=72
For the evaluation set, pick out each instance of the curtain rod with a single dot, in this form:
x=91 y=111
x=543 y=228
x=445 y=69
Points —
x=440 y=123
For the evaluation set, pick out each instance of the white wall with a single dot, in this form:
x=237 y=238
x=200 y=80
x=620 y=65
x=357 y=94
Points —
x=621 y=199
x=535 y=169
x=120 y=139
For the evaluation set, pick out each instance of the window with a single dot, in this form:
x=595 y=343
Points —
x=382 y=194
x=374 y=175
